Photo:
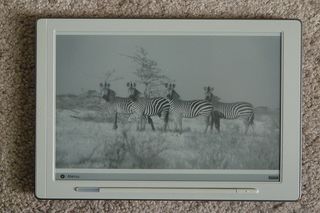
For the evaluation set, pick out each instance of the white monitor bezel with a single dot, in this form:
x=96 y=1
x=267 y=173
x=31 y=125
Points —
x=287 y=189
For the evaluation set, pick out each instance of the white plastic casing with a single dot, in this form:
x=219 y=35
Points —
x=287 y=189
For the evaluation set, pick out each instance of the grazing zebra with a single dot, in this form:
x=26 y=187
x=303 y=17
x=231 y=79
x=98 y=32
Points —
x=186 y=109
x=117 y=104
x=237 y=110
x=146 y=107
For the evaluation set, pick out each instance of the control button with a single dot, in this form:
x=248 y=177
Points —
x=87 y=189
x=247 y=191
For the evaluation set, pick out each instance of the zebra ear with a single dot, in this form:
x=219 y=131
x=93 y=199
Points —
x=134 y=84
x=108 y=85
x=101 y=85
x=166 y=85
x=105 y=84
x=173 y=85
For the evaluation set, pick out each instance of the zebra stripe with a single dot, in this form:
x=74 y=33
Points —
x=117 y=104
x=190 y=109
x=236 y=110
x=122 y=105
x=146 y=107
x=187 y=109
x=156 y=106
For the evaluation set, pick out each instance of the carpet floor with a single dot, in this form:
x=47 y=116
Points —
x=17 y=97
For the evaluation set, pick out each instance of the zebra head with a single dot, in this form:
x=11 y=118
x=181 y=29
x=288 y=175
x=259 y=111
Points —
x=106 y=93
x=208 y=93
x=209 y=96
x=171 y=93
x=132 y=90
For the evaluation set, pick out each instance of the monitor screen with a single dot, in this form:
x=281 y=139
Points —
x=168 y=107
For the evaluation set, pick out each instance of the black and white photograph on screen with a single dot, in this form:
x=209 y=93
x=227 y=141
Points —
x=168 y=102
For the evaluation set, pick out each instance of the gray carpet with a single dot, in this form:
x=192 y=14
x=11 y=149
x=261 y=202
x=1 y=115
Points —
x=17 y=95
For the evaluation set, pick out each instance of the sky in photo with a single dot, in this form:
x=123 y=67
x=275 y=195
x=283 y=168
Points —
x=240 y=68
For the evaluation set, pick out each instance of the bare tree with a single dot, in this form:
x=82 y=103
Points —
x=148 y=72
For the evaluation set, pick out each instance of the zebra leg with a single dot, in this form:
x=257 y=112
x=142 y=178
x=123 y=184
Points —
x=180 y=124
x=145 y=120
x=246 y=125
x=165 y=121
x=151 y=123
x=211 y=117
x=252 y=127
x=215 y=120
x=115 y=125
x=143 y=123
x=217 y=123
x=175 y=123
x=207 y=121
x=251 y=122
x=138 y=122
x=246 y=129
x=211 y=121
x=177 y=126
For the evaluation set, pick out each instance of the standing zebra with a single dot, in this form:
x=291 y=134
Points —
x=146 y=107
x=117 y=104
x=237 y=110
x=186 y=109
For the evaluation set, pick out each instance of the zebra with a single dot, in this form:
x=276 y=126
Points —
x=147 y=107
x=186 y=109
x=117 y=104
x=237 y=110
